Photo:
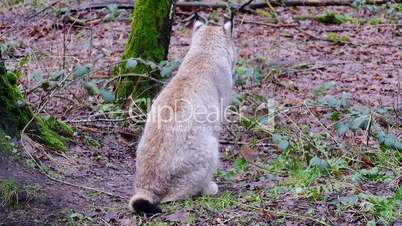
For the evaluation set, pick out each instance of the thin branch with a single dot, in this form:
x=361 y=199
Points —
x=59 y=180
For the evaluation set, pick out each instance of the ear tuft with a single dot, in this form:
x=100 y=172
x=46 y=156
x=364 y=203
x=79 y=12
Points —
x=228 y=27
x=199 y=21
x=197 y=24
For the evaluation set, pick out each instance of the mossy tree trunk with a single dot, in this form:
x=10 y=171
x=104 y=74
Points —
x=149 y=40
x=15 y=114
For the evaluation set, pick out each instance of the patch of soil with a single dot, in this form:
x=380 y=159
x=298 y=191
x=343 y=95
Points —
x=48 y=206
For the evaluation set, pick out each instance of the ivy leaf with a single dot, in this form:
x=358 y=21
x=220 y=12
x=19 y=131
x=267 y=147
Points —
x=37 y=76
x=335 y=116
x=389 y=141
x=381 y=138
x=283 y=145
x=320 y=89
x=320 y=163
x=371 y=223
x=332 y=102
x=398 y=146
x=348 y=200
x=264 y=120
x=276 y=138
x=151 y=64
x=239 y=164
x=357 y=177
x=163 y=63
x=56 y=75
x=359 y=122
x=279 y=140
x=362 y=110
x=341 y=128
x=345 y=103
x=229 y=175
x=166 y=71
x=81 y=70
x=112 y=12
x=107 y=96
x=91 y=88
x=131 y=63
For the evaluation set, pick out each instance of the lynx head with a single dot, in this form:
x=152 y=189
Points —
x=217 y=39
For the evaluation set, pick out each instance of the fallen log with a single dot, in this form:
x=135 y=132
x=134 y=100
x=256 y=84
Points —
x=256 y=5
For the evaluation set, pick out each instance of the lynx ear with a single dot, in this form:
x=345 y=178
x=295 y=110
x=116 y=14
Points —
x=199 y=21
x=228 y=27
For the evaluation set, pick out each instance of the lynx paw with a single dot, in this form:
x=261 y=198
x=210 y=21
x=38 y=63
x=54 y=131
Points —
x=211 y=189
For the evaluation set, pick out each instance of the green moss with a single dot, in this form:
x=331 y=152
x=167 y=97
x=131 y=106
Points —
x=149 y=40
x=375 y=21
x=12 y=78
x=331 y=17
x=14 y=114
x=335 y=38
x=58 y=126
x=125 y=88
x=5 y=143
x=47 y=132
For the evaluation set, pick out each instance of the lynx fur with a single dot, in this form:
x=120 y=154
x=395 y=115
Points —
x=178 y=151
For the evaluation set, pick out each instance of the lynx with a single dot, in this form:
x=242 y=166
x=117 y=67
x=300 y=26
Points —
x=178 y=151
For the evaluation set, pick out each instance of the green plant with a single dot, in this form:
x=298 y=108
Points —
x=281 y=141
x=8 y=48
x=244 y=73
x=218 y=203
x=368 y=174
x=338 y=39
x=93 y=143
x=9 y=192
x=375 y=21
x=385 y=209
x=76 y=218
x=322 y=88
x=331 y=17
x=112 y=12
x=10 y=3
x=238 y=166
x=315 y=193
x=359 y=3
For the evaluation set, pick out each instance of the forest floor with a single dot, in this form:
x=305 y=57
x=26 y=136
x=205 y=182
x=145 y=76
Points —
x=318 y=140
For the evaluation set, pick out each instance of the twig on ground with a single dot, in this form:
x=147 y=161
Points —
x=42 y=10
x=97 y=120
x=62 y=181
x=368 y=130
x=309 y=34
x=265 y=24
x=222 y=141
x=133 y=75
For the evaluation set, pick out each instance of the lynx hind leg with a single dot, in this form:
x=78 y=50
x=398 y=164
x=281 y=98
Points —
x=210 y=189
x=198 y=179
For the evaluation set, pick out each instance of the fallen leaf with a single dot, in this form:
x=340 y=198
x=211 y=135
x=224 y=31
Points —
x=248 y=153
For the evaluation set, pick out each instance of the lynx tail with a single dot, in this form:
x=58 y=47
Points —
x=142 y=204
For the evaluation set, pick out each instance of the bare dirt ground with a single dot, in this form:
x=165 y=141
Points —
x=291 y=54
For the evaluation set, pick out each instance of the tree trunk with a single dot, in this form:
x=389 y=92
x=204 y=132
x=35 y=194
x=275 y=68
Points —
x=15 y=114
x=149 y=40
